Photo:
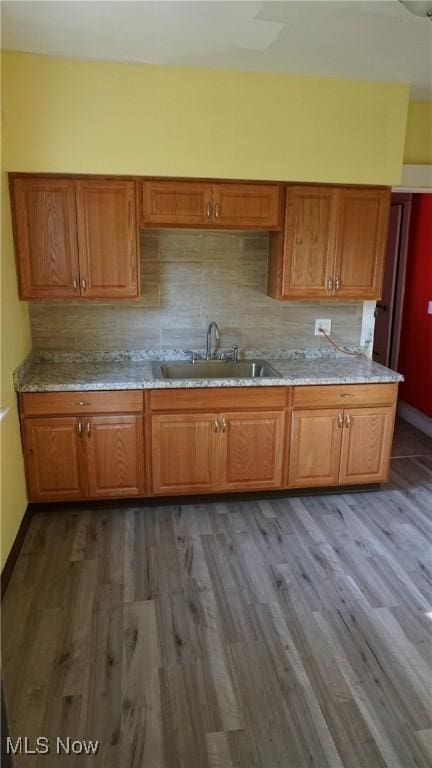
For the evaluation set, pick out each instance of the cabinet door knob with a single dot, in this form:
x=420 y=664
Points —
x=75 y=283
x=330 y=284
x=338 y=283
x=347 y=420
x=79 y=428
x=340 y=420
x=208 y=210
x=224 y=424
x=88 y=428
x=216 y=426
x=83 y=284
x=216 y=211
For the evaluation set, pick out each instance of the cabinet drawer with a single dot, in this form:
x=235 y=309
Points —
x=45 y=403
x=344 y=395
x=220 y=399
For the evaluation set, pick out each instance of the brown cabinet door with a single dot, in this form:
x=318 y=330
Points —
x=315 y=447
x=366 y=445
x=247 y=206
x=107 y=236
x=44 y=216
x=176 y=203
x=361 y=242
x=252 y=454
x=54 y=458
x=310 y=238
x=184 y=453
x=115 y=455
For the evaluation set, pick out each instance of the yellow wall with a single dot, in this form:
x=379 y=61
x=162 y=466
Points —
x=418 y=143
x=15 y=346
x=89 y=116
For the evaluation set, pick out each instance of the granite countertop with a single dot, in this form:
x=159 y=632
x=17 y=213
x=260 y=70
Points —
x=99 y=371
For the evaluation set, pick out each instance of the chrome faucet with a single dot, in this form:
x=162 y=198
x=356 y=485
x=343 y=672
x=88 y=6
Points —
x=209 y=333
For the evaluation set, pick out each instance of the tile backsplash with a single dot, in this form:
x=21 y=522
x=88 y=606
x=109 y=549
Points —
x=187 y=279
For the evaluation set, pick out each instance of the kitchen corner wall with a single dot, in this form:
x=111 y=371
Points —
x=418 y=140
x=187 y=279
x=16 y=344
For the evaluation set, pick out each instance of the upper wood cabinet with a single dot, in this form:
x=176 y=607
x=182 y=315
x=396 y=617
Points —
x=75 y=238
x=176 y=203
x=107 y=238
x=205 y=205
x=361 y=242
x=44 y=218
x=333 y=244
x=310 y=234
x=249 y=206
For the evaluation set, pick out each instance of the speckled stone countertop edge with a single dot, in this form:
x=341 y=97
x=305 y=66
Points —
x=35 y=375
x=201 y=384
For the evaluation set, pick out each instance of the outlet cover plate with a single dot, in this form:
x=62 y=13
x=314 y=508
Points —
x=325 y=324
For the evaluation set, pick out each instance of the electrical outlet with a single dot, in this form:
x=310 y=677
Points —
x=325 y=324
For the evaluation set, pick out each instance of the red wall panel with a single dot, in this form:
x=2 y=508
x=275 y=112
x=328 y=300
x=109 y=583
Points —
x=415 y=356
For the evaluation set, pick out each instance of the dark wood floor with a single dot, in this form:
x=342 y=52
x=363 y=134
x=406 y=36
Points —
x=277 y=633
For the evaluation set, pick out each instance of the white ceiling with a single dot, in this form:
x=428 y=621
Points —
x=372 y=39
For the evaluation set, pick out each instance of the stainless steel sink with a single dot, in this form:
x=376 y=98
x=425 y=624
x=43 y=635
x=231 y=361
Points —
x=215 y=369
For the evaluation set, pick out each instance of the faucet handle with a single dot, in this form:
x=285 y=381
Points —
x=192 y=354
x=230 y=354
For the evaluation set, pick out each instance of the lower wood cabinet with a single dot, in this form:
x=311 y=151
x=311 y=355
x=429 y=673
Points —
x=252 y=450
x=54 y=459
x=184 y=453
x=72 y=458
x=331 y=446
x=92 y=445
x=315 y=447
x=366 y=445
x=199 y=453
x=115 y=454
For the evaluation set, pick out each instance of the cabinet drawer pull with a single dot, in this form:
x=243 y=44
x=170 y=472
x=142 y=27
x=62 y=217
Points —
x=82 y=402
x=340 y=420
x=346 y=394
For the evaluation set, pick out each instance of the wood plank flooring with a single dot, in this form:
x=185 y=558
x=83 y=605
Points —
x=256 y=634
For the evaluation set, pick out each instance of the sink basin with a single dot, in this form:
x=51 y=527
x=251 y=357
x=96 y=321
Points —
x=215 y=369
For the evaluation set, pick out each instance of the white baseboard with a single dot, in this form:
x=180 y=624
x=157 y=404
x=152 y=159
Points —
x=415 y=418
